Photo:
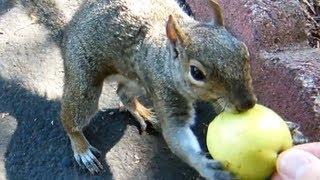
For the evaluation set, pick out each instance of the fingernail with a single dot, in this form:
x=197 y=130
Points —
x=293 y=164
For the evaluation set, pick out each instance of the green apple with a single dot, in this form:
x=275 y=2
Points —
x=248 y=143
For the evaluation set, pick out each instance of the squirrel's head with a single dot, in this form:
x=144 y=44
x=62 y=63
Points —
x=214 y=63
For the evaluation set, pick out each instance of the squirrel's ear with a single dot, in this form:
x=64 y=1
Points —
x=215 y=5
x=174 y=32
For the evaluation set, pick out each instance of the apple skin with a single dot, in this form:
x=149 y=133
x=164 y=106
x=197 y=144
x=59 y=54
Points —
x=248 y=143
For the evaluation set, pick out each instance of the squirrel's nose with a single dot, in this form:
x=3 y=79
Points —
x=246 y=104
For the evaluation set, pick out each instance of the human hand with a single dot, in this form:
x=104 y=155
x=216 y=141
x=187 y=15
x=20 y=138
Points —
x=301 y=162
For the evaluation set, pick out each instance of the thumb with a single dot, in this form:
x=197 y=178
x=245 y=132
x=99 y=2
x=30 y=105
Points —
x=296 y=164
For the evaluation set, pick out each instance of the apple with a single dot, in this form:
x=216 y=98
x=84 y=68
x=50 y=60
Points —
x=248 y=143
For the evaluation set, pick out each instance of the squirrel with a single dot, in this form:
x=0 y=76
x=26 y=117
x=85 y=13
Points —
x=155 y=49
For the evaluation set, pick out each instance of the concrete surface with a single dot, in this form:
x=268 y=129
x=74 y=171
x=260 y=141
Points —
x=34 y=145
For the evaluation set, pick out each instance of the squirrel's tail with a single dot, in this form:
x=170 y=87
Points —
x=47 y=13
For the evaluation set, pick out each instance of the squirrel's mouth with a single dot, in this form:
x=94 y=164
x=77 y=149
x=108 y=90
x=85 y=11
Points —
x=225 y=104
x=246 y=103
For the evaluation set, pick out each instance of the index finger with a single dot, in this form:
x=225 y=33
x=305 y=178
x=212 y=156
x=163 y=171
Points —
x=313 y=148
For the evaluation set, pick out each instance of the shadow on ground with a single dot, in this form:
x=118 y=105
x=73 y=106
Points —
x=6 y=6
x=39 y=148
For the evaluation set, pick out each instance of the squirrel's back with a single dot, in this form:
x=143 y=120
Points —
x=125 y=14
x=111 y=29
x=152 y=11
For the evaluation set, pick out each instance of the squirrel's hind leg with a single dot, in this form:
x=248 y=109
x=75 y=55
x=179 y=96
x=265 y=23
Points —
x=128 y=93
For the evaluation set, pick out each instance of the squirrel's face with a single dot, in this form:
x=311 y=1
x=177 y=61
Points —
x=215 y=64
x=218 y=67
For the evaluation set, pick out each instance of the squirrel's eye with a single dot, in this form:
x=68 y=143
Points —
x=196 y=73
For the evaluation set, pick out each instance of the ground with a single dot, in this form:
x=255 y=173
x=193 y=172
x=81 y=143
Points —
x=33 y=144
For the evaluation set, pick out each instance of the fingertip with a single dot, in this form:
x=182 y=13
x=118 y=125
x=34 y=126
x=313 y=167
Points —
x=313 y=148
x=276 y=176
x=295 y=163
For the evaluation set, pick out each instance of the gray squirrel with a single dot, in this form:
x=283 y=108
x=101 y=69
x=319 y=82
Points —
x=154 y=48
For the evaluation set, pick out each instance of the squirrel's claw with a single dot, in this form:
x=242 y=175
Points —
x=89 y=161
x=95 y=151
x=212 y=170
x=297 y=135
x=292 y=126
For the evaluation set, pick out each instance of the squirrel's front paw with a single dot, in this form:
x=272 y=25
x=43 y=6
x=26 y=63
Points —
x=88 y=160
x=297 y=135
x=212 y=170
